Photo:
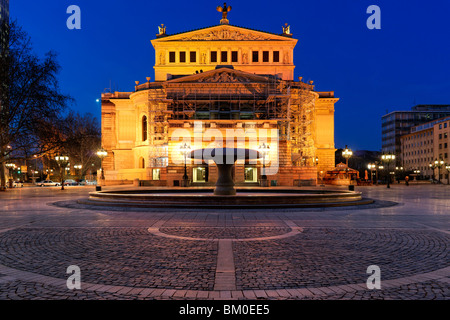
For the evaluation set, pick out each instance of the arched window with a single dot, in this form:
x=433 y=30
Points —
x=141 y=163
x=144 y=128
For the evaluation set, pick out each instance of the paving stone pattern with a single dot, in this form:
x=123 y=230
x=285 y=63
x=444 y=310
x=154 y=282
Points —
x=185 y=254
x=335 y=256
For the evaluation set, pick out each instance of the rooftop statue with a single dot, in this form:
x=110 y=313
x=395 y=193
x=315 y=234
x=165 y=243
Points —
x=225 y=9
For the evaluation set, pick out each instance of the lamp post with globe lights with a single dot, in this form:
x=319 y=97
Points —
x=264 y=149
x=185 y=149
x=432 y=167
x=388 y=158
x=439 y=163
x=346 y=154
x=102 y=154
x=63 y=162
x=447 y=167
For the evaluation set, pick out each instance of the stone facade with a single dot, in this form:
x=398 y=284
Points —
x=211 y=82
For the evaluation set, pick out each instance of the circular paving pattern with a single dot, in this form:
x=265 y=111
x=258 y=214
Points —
x=225 y=233
x=334 y=256
x=111 y=256
x=134 y=257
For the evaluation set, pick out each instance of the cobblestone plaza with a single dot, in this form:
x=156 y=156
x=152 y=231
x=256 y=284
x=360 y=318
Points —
x=206 y=254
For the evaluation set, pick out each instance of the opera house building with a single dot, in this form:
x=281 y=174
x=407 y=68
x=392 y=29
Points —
x=220 y=86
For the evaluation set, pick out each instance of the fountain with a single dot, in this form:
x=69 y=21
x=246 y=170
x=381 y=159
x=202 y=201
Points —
x=224 y=194
x=225 y=159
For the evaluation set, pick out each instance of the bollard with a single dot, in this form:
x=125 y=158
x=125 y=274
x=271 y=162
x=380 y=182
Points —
x=98 y=188
x=351 y=187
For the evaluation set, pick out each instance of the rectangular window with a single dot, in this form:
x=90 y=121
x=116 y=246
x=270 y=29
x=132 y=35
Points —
x=156 y=174
x=213 y=56
x=172 y=57
x=199 y=174
x=224 y=56
x=182 y=56
x=250 y=174
x=193 y=56
x=276 y=56
x=265 y=56
x=234 y=56
x=255 y=56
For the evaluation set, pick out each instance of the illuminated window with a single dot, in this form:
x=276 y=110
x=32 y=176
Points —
x=156 y=174
x=250 y=174
x=199 y=174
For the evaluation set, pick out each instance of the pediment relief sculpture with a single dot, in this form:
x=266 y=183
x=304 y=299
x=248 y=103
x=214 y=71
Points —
x=225 y=34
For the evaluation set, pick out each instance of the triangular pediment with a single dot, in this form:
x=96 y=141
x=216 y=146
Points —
x=224 y=32
x=221 y=75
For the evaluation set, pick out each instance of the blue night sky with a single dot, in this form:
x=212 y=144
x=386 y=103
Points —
x=371 y=71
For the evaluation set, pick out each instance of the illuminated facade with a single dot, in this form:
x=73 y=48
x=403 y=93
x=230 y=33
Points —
x=219 y=81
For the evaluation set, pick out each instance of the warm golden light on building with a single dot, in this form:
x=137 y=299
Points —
x=221 y=86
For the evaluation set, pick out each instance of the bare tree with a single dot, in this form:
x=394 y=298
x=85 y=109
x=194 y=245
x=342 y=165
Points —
x=30 y=101
x=82 y=140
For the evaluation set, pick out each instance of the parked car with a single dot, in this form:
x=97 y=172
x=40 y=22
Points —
x=16 y=184
x=70 y=182
x=88 y=183
x=48 y=183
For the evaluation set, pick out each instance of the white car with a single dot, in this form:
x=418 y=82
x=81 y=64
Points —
x=70 y=182
x=48 y=183
x=16 y=184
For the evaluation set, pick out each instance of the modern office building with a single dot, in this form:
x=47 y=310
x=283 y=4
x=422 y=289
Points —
x=426 y=144
x=398 y=123
x=211 y=84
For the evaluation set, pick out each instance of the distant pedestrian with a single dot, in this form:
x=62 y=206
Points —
x=407 y=180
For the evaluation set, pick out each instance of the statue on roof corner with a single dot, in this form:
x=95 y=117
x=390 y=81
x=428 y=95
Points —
x=162 y=30
x=225 y=9
x=286 y=29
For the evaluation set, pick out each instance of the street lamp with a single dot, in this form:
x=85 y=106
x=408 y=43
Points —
x=388 y=158
x=264 y=149
x=62 y=161
x=77 y=168
x=185 y=149
x=371 y=167
x=432 y=167
x=102 y=153
x=347 y=153
x=398 y=173
x=439 y=163
x=447 y=167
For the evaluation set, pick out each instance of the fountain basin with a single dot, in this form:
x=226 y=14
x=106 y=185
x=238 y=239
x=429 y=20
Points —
x=244 y=198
